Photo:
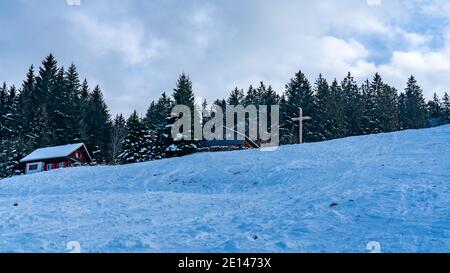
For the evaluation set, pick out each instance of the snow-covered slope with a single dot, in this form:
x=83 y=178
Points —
x=335 y=196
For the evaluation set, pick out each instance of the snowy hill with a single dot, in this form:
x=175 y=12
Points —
x=335 y=196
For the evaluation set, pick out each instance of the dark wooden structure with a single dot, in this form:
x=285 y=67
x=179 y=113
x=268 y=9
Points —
x=57 y=157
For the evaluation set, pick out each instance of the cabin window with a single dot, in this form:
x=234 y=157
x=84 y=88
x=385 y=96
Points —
x=33 y=167
x=61 y=165
x=49 y=167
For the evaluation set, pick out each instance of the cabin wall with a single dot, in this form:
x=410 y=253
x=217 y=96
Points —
x=46 y=165
x=59 y=164
x=80 y=155
x=34 y=167
x=77 y=158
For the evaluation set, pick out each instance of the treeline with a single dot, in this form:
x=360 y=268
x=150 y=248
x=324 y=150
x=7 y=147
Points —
x=54 y=107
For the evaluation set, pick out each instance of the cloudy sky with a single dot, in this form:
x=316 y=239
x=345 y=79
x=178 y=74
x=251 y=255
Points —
x=136 y=49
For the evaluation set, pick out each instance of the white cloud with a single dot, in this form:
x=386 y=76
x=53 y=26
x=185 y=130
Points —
x=270 y=42
x=373 y=2
x=136 y=49
x=124 y=38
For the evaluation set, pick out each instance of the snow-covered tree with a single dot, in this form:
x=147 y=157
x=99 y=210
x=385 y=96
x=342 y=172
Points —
x=157 y=121
x=183 y=95
x=137 y=142
x=118 y=134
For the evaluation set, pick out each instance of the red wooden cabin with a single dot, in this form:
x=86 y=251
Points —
x=50 y=158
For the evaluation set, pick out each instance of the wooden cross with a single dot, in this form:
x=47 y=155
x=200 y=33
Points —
x=300 y=119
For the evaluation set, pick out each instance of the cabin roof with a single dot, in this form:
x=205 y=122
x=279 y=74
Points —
x=53 y=152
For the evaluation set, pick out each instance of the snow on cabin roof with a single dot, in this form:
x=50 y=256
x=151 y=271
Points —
x=53 y=152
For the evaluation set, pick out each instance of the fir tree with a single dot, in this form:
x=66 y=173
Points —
x=415 y=106
x=135 y=145
x=268 y=97
x=322 y=119
x=250 y=97
x=183 y=95
x=338 y=107
x=236 y=97
x=11 y=142
x=118 y=134
x=157 y=122
x=97 y=126
x=299 y=94
x=73 y=90
x=370 y=122
x=434 y=111
x=60 y=107
x=46 y=80
x=350 y=101
x=83 y=122
x=27 y=107
x=402 y=111
x=43 y=130
x=387 y=108
x=446 y=108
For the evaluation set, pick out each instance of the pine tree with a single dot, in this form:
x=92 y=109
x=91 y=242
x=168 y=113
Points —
x=25 y=113
x=267 y=97
x=446 y=108
x=434 y=111
x=415 y=106
x=83 y=122
x=3 y=110
x=157 y=122
x=183 y=95
x=350 y=101
x=118 y=134
x=60 y=107
x=46 y=80
x=387 y=108
x=338 y=111
x=204 y=111
x=322 y=119
x=6 y=131
x=299 y=94
x=11 y=141
x=134 y=146
x=73 y=89
x=250 y=97
x=402 y=111
x=43 y=130
x=97 y=125
x=236 y=97
x=370 y=123
x=285 y=136
x=27 y=108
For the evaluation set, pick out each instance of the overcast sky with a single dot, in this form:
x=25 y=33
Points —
x=136 y=49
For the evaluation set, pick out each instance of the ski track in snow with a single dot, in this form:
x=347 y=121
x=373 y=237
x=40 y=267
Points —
x=334 y=196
